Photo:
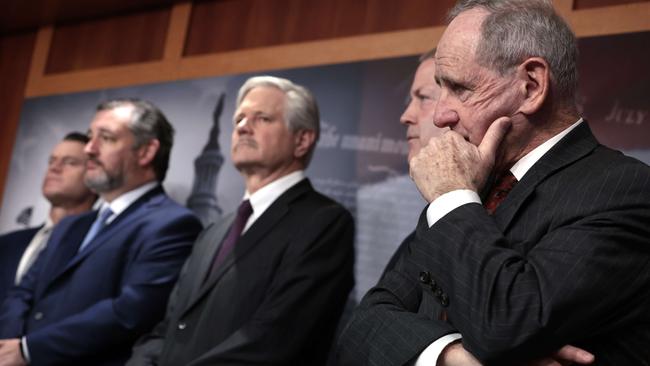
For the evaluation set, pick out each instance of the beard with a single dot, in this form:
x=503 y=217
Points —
x=102 y=180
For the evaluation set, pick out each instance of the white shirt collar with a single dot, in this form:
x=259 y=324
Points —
x=125 y=200
x=265 y=196
x=524 y=164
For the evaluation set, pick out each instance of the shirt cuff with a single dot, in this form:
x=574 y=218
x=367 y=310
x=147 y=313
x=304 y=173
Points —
x=449 y=202
x=24 y=350
x=430 y=354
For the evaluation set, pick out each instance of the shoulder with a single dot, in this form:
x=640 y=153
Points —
x=23 y=234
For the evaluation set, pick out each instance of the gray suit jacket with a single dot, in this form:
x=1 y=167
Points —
x=275 y=300
x=565 y=259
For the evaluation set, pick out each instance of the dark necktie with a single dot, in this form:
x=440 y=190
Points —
x=243 y=213
x=499 y=191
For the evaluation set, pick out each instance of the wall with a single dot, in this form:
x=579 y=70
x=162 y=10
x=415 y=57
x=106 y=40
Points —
x=220 y=37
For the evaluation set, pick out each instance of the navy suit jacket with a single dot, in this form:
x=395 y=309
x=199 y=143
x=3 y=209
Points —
x=87 y=308
x=12 y=247
x=565 y=259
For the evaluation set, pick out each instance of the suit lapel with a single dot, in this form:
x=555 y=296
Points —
x=210 y=243
x=136 y=210
x=256 y=233
x=69 y=244
x=575 y=145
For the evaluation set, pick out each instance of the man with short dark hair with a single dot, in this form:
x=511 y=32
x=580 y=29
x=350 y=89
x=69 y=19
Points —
x=267 y=285
x=63 y=186
x=564 y=219
x=105 y=276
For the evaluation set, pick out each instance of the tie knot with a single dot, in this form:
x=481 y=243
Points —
x=245 y=209
x=503 y=185
x=104 y=215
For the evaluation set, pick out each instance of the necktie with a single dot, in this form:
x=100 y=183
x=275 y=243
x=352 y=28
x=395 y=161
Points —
x=99 y=224
x=243 y=213
x=499 y=191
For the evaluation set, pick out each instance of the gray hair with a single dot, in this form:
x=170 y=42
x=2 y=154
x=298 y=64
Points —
x=517 y=29
x=147 y=123
x=301 y=112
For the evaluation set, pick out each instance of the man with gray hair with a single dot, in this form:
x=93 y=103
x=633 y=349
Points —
x=536 y=235
x=104 y=278
x=268 y=284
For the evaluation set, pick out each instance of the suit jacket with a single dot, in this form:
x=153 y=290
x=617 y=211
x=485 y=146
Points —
x=12 y=247
x=88 y=308
x=565 y=259
x=276 y=298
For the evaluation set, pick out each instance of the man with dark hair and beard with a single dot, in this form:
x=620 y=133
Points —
x=105 y=276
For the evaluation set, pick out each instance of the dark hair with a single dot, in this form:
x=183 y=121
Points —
x=147 y=123
x=77 y=137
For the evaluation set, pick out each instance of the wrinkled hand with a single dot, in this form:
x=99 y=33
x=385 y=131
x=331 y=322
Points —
x=567 y=355
x=456 y=355
x=10 y=354
x=449 y=162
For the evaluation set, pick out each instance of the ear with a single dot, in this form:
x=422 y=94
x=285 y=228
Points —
x=147 y=152
x=534 y=75
x=303 y=140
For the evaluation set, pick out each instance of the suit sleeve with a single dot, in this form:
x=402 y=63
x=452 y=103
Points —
x=304 y=300
x=149 y=274
x=148 y=348
x=386 y=328
x=15 y=307
x=513 y=299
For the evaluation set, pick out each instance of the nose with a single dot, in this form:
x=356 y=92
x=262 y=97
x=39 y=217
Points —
x=91 y=147
x=55 y=165
x=444 y=116
x=243 y=126
x=409 y=116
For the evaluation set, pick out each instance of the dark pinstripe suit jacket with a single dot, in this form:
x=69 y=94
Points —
x=564 y=260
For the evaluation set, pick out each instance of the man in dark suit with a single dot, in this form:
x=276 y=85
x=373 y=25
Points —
x=105 y=276
x=63 y=186
x=535 y=268
x=275 y=297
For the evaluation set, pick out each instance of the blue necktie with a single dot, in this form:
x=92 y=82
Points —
x=99 y=224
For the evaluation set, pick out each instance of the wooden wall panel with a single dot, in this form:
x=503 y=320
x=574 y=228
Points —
x=587 y=4
x=227 y=25
x=119 y=40
x=15 y=55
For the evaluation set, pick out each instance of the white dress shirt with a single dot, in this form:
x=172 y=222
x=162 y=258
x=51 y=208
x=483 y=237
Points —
x=35 y=247
x=265 y=196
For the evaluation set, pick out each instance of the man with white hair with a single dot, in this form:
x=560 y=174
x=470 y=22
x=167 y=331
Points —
x=268 y=284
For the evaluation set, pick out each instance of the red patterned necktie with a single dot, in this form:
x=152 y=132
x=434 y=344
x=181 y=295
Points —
x=243 y=213
x=499 y=191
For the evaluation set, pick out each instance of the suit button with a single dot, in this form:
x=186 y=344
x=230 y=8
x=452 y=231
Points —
x=439 y=293
x=182 y=325
x=425 y=277
x=444 y=300
x=433 y=284
x=38 y=316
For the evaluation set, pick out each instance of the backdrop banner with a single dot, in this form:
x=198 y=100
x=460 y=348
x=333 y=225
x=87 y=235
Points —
x=361 y=155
